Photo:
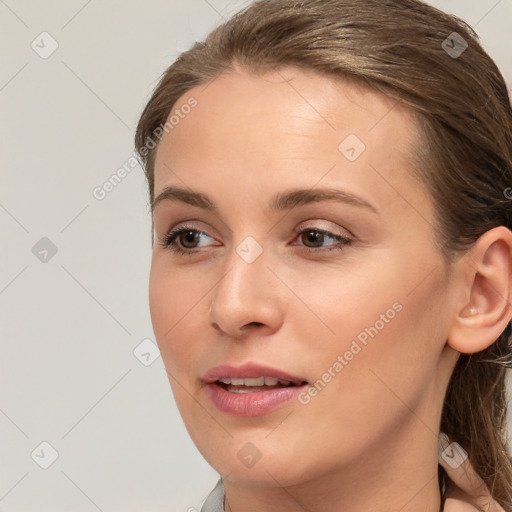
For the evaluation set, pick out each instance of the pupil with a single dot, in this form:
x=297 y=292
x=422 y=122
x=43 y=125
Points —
x=314 y=236
x=190 y=236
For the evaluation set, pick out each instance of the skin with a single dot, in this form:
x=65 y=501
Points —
x=467 y=492
x=368 y=440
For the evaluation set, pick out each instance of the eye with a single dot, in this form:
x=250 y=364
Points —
x=187 y=237
x=184 y=240
x=317 y=237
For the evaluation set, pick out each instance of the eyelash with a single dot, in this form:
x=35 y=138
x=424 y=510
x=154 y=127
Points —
x=169 y=241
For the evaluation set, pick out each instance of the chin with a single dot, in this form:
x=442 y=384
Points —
x=275 y=474
x=259 y=463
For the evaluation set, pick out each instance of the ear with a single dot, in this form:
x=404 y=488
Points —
x=482 y=318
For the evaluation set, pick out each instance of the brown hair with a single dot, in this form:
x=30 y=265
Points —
x=407 y=50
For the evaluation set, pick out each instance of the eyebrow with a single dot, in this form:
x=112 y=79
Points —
x=281 y=202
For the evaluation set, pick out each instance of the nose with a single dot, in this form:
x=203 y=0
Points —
x=247 y=299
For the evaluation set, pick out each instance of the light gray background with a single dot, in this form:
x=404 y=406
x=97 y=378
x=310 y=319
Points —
x=69 y=326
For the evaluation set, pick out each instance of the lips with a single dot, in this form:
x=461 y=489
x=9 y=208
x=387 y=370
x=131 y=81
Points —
x=251 y=389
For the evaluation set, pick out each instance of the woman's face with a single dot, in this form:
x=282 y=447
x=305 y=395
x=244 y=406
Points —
x=358 y=323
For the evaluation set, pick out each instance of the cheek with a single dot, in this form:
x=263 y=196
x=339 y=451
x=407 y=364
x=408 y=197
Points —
x=394 y=368
x=346 y=300
x=173 y=304
x=386 y=335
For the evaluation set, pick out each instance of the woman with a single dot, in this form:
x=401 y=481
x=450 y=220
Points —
x=330 y=288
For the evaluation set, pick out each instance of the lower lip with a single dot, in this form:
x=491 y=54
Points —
x=256 y=403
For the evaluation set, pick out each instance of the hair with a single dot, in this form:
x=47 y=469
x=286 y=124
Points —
x=463 y=114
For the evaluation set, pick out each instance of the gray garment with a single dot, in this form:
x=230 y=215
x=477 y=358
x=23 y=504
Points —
x=215 y=500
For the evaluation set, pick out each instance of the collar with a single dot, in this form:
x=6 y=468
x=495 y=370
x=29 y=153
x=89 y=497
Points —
x=215 y=500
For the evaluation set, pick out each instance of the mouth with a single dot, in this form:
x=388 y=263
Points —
x=251 y=389
x=256 y=384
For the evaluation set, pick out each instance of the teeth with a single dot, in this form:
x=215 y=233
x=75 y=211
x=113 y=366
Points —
x=240 y=390
x=256 y=382
x=260 y=381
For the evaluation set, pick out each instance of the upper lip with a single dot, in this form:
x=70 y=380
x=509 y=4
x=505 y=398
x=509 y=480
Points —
x=249 y=371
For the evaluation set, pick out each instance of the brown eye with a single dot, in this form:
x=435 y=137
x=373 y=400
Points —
x=189 y=238
x=312 y=236
x=183 y=240
x=313 y=239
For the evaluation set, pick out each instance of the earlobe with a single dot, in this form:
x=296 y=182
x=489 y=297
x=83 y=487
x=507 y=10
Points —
x=482 y=318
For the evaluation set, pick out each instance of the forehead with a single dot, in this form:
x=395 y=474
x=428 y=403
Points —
x=292 y=96
x=291 y=126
